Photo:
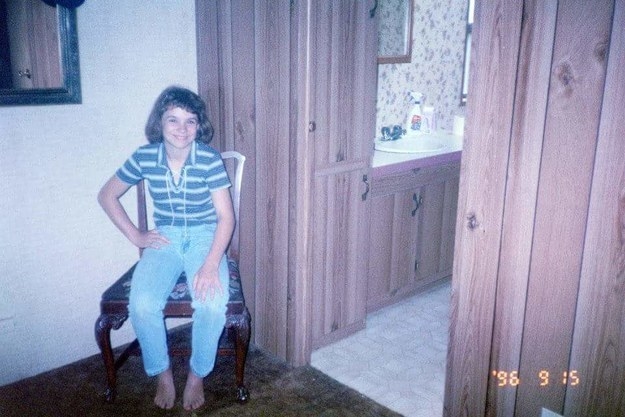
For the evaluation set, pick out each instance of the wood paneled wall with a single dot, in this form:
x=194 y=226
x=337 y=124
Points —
x=538 y=318
x=291 y=85
x=243 y=68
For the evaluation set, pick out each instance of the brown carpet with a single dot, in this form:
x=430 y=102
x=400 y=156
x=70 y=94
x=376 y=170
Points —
x=276 y=390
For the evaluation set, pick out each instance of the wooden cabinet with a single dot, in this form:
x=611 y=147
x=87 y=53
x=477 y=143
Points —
x=411 y=237
x=342 y=116
x=292 y=85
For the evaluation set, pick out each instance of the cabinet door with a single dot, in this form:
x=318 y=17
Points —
x=412 y=232
x=394 y=229
x=438 y=206
x=342 y=117
x=407 y=227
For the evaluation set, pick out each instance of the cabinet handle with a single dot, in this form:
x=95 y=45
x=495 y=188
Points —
x=418 y=201
x=365 y=179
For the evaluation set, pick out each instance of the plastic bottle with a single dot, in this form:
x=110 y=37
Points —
x=429 y=120
x=414 y=121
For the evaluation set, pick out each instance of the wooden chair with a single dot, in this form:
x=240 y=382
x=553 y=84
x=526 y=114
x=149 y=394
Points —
x=236 y=336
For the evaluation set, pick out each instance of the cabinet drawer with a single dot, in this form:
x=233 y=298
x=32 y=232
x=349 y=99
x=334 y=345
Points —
x=414 y=178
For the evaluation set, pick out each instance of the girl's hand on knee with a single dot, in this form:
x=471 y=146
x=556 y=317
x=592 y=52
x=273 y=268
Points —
x=150 y=239
x=206 y=282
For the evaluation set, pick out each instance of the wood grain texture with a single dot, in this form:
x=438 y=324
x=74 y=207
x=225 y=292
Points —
x=412 y=232
x=450 y=211
x=224 y=81
x=342 y=55
x=390 y=184
x=560 y=259
x=495 y=48
x=430 y=237
x=537 y=35
x=598 y=350
x=245 y=81
x=241 y=135
x=300 y=284
x=381 y=249
x=34 y=44
x=576 y=88
x=272 y=115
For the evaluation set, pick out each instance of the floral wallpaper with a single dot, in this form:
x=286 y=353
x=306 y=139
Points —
x=438 y=36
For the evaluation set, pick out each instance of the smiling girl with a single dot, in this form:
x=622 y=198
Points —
x=194 y=221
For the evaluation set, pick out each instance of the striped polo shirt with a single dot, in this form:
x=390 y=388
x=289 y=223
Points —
x=189 y=198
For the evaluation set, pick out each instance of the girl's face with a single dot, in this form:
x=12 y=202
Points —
x=179 y=128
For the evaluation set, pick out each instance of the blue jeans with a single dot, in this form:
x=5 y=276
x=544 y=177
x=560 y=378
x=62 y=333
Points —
x=152 y=282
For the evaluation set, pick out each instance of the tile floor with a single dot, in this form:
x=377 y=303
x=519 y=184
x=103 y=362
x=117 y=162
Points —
x=399 y=359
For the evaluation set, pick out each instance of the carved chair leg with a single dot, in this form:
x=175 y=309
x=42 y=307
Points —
x=242 y=342
x=103 y=327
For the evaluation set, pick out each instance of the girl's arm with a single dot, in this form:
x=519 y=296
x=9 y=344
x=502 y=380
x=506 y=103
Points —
x=108 y=197
x=206 y=281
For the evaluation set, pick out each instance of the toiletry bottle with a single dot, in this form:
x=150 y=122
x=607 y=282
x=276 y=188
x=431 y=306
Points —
x=414 y=121
x=429 y=120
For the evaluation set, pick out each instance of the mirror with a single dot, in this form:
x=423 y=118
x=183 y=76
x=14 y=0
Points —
x=394 y=31
x=39 y=64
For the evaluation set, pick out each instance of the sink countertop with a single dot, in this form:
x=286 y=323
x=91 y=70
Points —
x=388 y=163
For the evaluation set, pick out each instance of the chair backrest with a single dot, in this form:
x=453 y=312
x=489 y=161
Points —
x=234 y=162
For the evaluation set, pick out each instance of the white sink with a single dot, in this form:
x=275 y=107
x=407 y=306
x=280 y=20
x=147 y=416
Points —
x=412 y=144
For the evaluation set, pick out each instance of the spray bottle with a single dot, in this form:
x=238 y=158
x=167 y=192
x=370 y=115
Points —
x=415 y=120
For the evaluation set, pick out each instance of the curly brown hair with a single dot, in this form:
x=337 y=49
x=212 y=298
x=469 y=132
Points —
x=186 y=99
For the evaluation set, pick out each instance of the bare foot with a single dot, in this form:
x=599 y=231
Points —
x=193 y=397
x=165 y=390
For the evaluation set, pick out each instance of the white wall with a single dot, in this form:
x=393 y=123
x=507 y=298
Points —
x=58 y=251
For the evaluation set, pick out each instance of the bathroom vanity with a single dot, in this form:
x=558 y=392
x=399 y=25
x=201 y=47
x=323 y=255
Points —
x=414 y=198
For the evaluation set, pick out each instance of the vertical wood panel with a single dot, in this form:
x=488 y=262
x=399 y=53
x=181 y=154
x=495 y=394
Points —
x=364 y=83
x=343 y=52
x=272 y=87
x=238 y=75
x=287 y=91
x=430 y=232
x=405 y=232
x=534 y=71
x=449 y=226
x=598 y=351
x=576 y=89
x=322 y=104
x=355 y=215
x=208 y=65
x=482 y=180
x=301 y=189
x=561 y=267
x=242 y=138
x=381 y=239
x=225 y=78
